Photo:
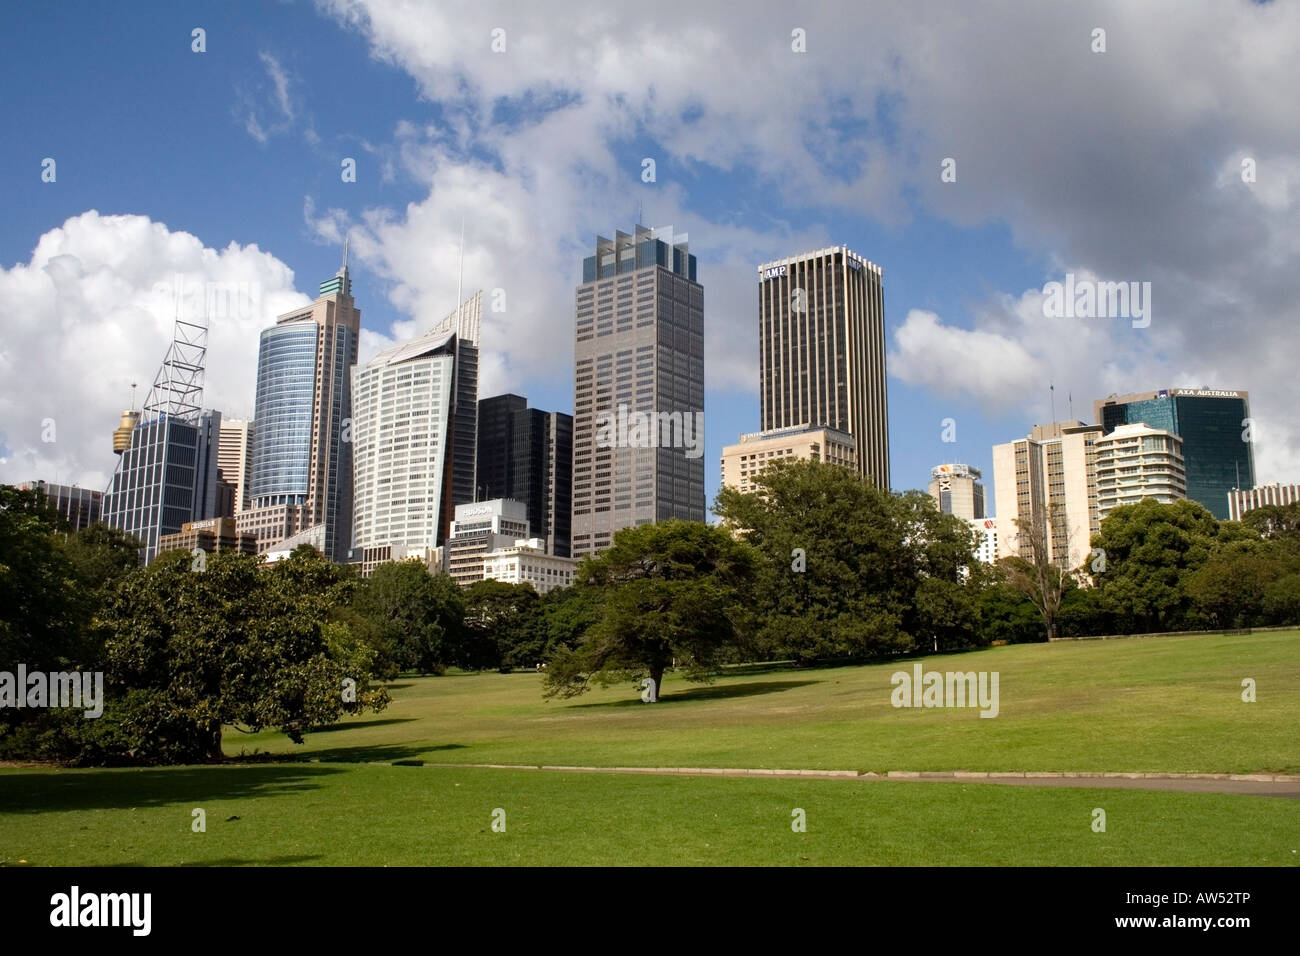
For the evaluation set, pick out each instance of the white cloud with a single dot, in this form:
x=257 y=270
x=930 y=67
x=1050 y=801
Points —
x=92 y=312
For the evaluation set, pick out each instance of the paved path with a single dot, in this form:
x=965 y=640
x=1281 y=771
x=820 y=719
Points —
x=1270 y=785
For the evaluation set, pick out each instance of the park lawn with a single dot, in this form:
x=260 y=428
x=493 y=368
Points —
x=355 y=814
x=1170 y=704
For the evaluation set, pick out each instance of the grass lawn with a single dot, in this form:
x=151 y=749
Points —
x=335 y=814
x=1164 y=704
x=1155 y=705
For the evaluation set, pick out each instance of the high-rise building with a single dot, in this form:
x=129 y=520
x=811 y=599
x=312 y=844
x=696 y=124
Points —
x=743 y=461
x=481 y=527
x=527 y=454
x=405 y=429
x=1052 y=474
x=821 y=325
x=638 y=387
x=1135 y=462
x=233 y=458
x=1242 y=500
x=81 y=507
x=528 y=562
x=957 y=490
x=1213 y=424
x=212 y=535
x=301 y=473
x=167 y=466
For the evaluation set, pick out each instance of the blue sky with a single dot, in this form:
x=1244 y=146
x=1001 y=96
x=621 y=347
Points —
x=1069 y=160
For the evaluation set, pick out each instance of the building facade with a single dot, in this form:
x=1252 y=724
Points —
x=1052 y=474
x=753 y=452
x=527 y=562
x=527 y=454
x=957 y=490
x=821 y=324
x=638 y=387
x=301 y=473
x=482 y=527
x=234 y=460
x=211 y=535
x=1242 y=500
x=80 y=507
x=1135 y=462
x=1214 y=426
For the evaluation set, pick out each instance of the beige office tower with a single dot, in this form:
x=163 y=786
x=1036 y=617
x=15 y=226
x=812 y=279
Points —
x=233 y=458
x=743 y=461
x=821 y=325
x=1053 y=471
x=638 y=400
x=957 y=490
x=1136 y=462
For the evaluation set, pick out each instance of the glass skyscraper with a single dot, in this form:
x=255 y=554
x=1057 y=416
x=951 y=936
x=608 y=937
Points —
x=1212 y=425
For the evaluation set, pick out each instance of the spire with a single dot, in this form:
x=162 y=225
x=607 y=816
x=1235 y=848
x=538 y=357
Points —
x=460 y=274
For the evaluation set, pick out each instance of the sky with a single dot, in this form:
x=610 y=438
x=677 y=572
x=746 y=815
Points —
x=975 y=151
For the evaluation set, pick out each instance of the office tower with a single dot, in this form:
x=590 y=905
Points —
x=1212 y=424
x=957 y=490
x=1136 y=462
x=481 y=527
x=1242 y=500
x=638 y=387
x=527 y=454
x=167 y=466
x=301 y=474
x=753 y=452
x=404 y=429
x=821 y=326
x=80 y=507
x=1051 y=473
x=234 y=460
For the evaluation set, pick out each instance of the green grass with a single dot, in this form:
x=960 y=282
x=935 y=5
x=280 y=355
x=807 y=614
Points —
x=1155 y=705
x=1167 y=704
x=321 y=814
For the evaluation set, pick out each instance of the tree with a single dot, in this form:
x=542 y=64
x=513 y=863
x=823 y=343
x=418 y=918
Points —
x=238 y=644
x=1150 y=549
x=502 y=625
x=101 y=555
x=842 y=564
x=668 y=591
x=420 y=615
x=1036 y=576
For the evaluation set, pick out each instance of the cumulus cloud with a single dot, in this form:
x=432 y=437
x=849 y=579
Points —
x=93 y=311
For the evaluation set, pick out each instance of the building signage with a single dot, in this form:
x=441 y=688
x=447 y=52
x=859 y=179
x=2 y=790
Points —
x=201 y=525
x=855 y=265
x=1204 y=393
x=774 y=272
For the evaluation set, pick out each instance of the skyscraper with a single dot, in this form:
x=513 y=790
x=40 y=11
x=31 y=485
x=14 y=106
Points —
x=1136 y=462
x=1052 y=473
x=407 y=430
x=1218 y=450
x=233 y=458
x=638 y=387
x=167 y=467
x=301 y=474
x=527 y=454
x=821 y=324
x=957 y=490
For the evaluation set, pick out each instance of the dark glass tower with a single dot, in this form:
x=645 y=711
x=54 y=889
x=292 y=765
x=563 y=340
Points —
x=527 y=454
x=1212 y=426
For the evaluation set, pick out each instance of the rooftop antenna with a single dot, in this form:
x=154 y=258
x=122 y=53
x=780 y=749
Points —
x=640 y=207
x=345 y=252
x=1070 y=398
x=460 y=274
x=133 y=385
x=1052 y=388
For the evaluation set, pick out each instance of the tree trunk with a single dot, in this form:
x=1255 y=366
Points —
x=657 y=675
x=214 y=742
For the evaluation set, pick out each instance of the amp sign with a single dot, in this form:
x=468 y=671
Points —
x=774 y=272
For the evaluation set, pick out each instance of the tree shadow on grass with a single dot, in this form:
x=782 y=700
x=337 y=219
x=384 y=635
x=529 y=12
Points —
x=379 y=753
x=357 y=724
x=231 y=861
x=711 y=692
x=96 y=789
